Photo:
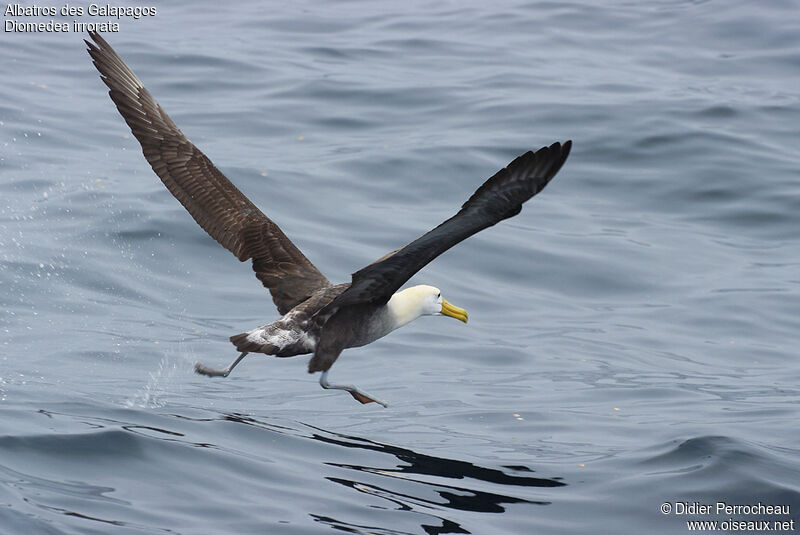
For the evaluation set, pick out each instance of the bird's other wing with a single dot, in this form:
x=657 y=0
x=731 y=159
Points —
x=212 y=200
x=498 y=198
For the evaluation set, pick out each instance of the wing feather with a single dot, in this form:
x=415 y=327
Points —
x=500 y=197
x=212 y=200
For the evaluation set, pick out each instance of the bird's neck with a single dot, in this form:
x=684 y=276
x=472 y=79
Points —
x=403 y=309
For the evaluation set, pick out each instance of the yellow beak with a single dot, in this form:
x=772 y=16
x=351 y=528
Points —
x=453 y=311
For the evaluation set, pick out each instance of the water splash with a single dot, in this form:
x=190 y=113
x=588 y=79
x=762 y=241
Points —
x=161 y=383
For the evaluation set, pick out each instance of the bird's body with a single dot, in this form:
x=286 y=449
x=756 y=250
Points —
x=316 y=316
x=297 y=332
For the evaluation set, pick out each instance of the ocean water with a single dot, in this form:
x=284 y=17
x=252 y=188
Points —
x=633 y=332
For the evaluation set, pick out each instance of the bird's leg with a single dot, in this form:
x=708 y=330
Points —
x=355 y=392
x=212 y=372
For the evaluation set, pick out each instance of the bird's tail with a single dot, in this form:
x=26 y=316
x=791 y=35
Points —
x=244 y=342
x=272 y=340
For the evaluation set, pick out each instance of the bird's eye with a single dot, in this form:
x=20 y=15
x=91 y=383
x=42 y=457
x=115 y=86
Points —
x=439 y=294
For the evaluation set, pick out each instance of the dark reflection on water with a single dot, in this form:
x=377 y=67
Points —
x=460 y=497
x=448 y=526
x=427 y=465
x=411 y=483
x=85 y=517
x=451 y=497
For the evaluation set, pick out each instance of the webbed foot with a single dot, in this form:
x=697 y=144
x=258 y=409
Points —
x=357 y=394
x=202 y=369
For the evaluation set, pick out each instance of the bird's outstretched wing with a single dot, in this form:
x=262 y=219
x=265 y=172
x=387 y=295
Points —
x=212 y=200
x=498 y=198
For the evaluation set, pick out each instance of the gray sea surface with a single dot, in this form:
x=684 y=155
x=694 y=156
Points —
x=633 y=334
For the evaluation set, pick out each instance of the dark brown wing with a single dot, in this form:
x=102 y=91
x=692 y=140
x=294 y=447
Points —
x=498 y=198
x=222 y=210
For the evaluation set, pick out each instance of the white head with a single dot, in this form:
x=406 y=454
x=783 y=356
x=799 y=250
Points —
x=423 y=300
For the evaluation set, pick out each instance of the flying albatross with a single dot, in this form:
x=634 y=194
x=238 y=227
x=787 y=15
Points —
x=316 y=316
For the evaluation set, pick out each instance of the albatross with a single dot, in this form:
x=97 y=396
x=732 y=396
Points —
x=316 y=316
